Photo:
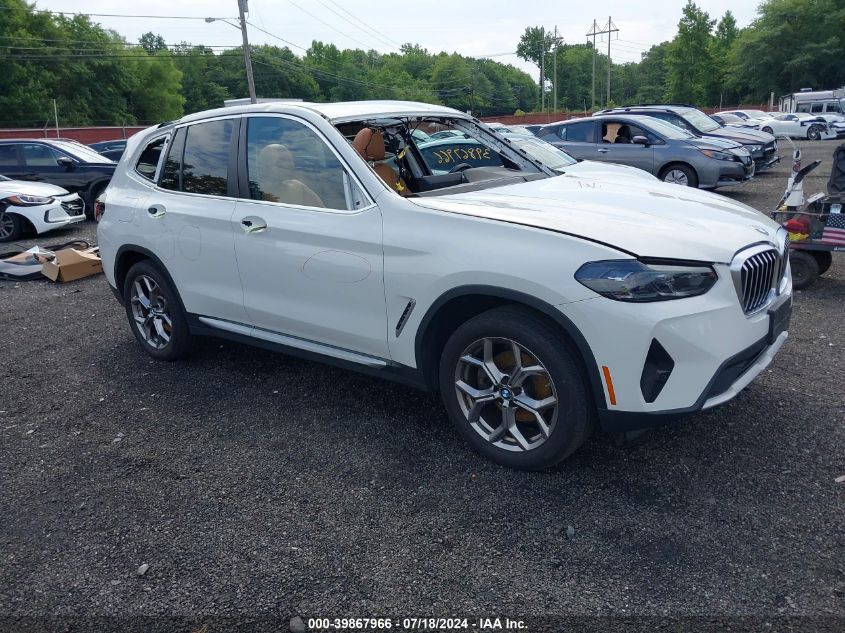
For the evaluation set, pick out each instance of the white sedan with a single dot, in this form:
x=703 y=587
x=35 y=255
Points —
x=37 y=206
x=798 y=125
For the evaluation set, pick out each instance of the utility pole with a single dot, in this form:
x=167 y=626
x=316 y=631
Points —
x=608 y=29
x=555 y=42
x=593 y=33
x=250 y=80
x=56 y=116
x=543 y=71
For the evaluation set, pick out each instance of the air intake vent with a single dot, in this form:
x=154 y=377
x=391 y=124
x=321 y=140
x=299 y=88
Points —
x=656 y=371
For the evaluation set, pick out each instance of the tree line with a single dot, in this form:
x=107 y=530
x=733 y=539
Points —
x=792 y=44
x=98 y=78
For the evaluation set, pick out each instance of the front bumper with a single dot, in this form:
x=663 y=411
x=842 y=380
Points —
x=716 y=350
x=732 y=173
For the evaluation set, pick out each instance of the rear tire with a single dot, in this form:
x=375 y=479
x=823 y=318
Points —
x=824 y=259
x=529 y=414
x=805 y=269
x=155 y=313
x=768 y=130
x=11 y=226
x=680 y=175
x=814 y=133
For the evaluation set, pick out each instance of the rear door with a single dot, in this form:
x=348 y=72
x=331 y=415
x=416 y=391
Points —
x=578 y=139
x=188 y=218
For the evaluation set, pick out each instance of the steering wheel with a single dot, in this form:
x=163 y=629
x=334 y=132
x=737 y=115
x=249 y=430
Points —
x=460 y=167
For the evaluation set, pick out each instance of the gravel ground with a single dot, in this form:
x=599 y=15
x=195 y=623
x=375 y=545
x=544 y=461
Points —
x=258 y=487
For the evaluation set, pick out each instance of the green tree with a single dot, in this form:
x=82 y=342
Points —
x=689 y=62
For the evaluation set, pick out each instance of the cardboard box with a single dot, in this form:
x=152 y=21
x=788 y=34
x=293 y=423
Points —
x=71 y=264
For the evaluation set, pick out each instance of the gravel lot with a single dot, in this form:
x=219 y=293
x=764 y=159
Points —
x=258 y=487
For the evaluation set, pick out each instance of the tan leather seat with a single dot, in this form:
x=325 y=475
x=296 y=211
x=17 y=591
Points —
x=369 y=143
x=277 y=178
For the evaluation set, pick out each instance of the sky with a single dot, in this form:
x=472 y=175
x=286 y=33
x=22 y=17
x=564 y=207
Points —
x=470 y=27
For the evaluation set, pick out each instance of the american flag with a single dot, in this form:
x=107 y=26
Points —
x=834 y=230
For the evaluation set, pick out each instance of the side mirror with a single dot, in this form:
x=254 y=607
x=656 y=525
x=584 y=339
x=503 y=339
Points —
x=640 y=140
x=66 y=162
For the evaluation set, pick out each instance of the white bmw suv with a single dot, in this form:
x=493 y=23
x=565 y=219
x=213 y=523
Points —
x=540 y=305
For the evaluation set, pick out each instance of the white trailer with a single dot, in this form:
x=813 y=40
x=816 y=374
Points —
x=789 y=103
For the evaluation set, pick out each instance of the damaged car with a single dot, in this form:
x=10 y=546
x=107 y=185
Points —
x=541 y=304
x=35 y=207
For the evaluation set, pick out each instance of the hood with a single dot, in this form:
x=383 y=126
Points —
x=714 y=143
x=26 y=188
x=746 y=136
x=644 y=217
x=595 y=169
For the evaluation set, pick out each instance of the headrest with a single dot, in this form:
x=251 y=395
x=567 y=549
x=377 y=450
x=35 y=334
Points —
x=274 y=157
x=369 y=143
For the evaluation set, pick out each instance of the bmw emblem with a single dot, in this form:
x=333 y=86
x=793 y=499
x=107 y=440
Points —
x=506 y=394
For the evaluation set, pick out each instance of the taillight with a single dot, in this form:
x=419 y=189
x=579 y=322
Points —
x=99 y=208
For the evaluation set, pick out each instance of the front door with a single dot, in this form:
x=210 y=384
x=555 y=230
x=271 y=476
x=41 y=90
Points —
x=616 y=145
x=308 y=240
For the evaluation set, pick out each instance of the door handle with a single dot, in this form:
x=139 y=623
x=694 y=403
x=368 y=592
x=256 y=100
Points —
x=253 y=224
x=603 y=150
x=156 y=211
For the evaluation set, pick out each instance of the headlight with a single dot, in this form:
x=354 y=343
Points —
x=712 y=153
x=633 y=280
x=28 y=201
x=755 y=148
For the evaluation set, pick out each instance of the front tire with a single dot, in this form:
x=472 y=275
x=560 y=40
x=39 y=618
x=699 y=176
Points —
x=11 y=226
x=680 y=175
x=155 y=313
x=805 y=269
x=768 y=130
x=513 y=389
x=814 y=133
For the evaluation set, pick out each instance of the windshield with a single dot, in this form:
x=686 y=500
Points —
x=542 y=151
x=435 y=155
x=81 y=152
x=700 y=120
x=668 y=130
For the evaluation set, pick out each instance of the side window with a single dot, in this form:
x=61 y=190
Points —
x=288 y=162
x=832 y=107
x=205 y=163
x=680 y=122
x=817 y=107
x=803 y=107
x=39 y=156
x=171 y=172
x=8 y=156
x=581 y=132
x=148 y=161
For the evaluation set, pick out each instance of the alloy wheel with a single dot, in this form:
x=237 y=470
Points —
x=506 y=394
x=7 y=225
x=677 y=177
x=151 y=312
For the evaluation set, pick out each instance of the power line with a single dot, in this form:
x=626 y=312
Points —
x=375 y=34
x=365 y=25
x=336 y=30
x=117 y=15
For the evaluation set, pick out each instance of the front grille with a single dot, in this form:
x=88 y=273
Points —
x=756 y=273
x=74 y=207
